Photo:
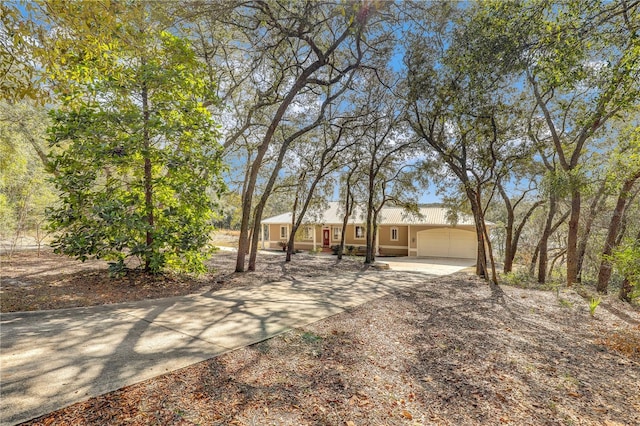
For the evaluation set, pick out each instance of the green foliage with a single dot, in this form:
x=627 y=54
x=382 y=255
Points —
x=593 y=305
x=25 y=192
x=230 y=215
x=565 y=303
x=19 y=73
x=560 y=182
x=310 y=337
x=517 y=278
x=135 y=150
x=626 y=261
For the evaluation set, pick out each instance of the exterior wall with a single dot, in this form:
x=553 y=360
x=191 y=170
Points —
x=384 y=235
x=350 y=237
x=387 y=251
x=387 y=246
x=305 y=245
x=301 y=242
x=274 y=234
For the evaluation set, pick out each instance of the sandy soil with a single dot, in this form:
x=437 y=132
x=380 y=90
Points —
x=452 y=351
x=29 y=282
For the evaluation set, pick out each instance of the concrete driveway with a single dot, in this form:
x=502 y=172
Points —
x=430 y=266
x=51 y=359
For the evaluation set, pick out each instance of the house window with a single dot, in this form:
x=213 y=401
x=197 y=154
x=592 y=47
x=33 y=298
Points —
x=394 y=234
x=359 y=232
x=337 y=232
x=284 y=232
x=308 y=232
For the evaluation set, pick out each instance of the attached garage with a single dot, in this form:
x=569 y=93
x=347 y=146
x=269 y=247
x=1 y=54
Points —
x=447 y=242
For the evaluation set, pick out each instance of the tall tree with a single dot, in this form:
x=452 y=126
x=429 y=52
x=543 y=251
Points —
x=626 y=258
x=25 y=192
x=287 y=56
x=626 y=172
x=385 y=152
x=134 y=148
x=579 y=60
x=582 y=71
x=319 y=160
x=455 y=104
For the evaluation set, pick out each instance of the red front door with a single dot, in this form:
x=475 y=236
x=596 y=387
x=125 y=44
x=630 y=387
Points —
x=325 y=238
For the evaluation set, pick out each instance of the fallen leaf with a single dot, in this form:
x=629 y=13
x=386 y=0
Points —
x=407 y=415
x=350 y=423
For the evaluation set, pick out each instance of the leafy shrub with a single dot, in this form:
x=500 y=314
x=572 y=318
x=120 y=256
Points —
x=517 y=278
x=626 y=261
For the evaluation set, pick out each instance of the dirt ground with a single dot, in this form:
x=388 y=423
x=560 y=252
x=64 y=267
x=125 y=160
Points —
x=451 y=351
x=30 y=282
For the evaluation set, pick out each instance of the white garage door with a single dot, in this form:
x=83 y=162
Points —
x=447 y=242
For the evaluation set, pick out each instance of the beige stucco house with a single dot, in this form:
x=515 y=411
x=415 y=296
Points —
x=428 y=234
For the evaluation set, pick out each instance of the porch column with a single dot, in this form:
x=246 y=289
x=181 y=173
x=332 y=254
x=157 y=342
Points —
x=262 y=234
x=314 y=238
x=408 y=240
x=378 y=242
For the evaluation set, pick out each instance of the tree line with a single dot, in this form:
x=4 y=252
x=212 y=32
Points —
x=154 y=119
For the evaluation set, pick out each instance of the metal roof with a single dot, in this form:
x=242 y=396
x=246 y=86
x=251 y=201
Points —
x=388 y=216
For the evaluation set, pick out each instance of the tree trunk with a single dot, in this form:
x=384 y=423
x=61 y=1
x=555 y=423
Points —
x=253 y=243
x=625 y=216
x=489 y=249
x=572 y=237
x=605 y=265
x=369 y=258
x=627 y=288
x=148 y=180
x=348 y=209
x=534 y=259
x=374 y=236
x=553 y=262
x=508 y=250
x=476 y=209
x=294 y=227
x=596 y=206
x=247 y=198
x=543 y=254
x=512 y=236
x=486 y=246
x=518 y=232
x=243 y=239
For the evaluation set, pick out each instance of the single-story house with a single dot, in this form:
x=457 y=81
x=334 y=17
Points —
x=400 y=233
